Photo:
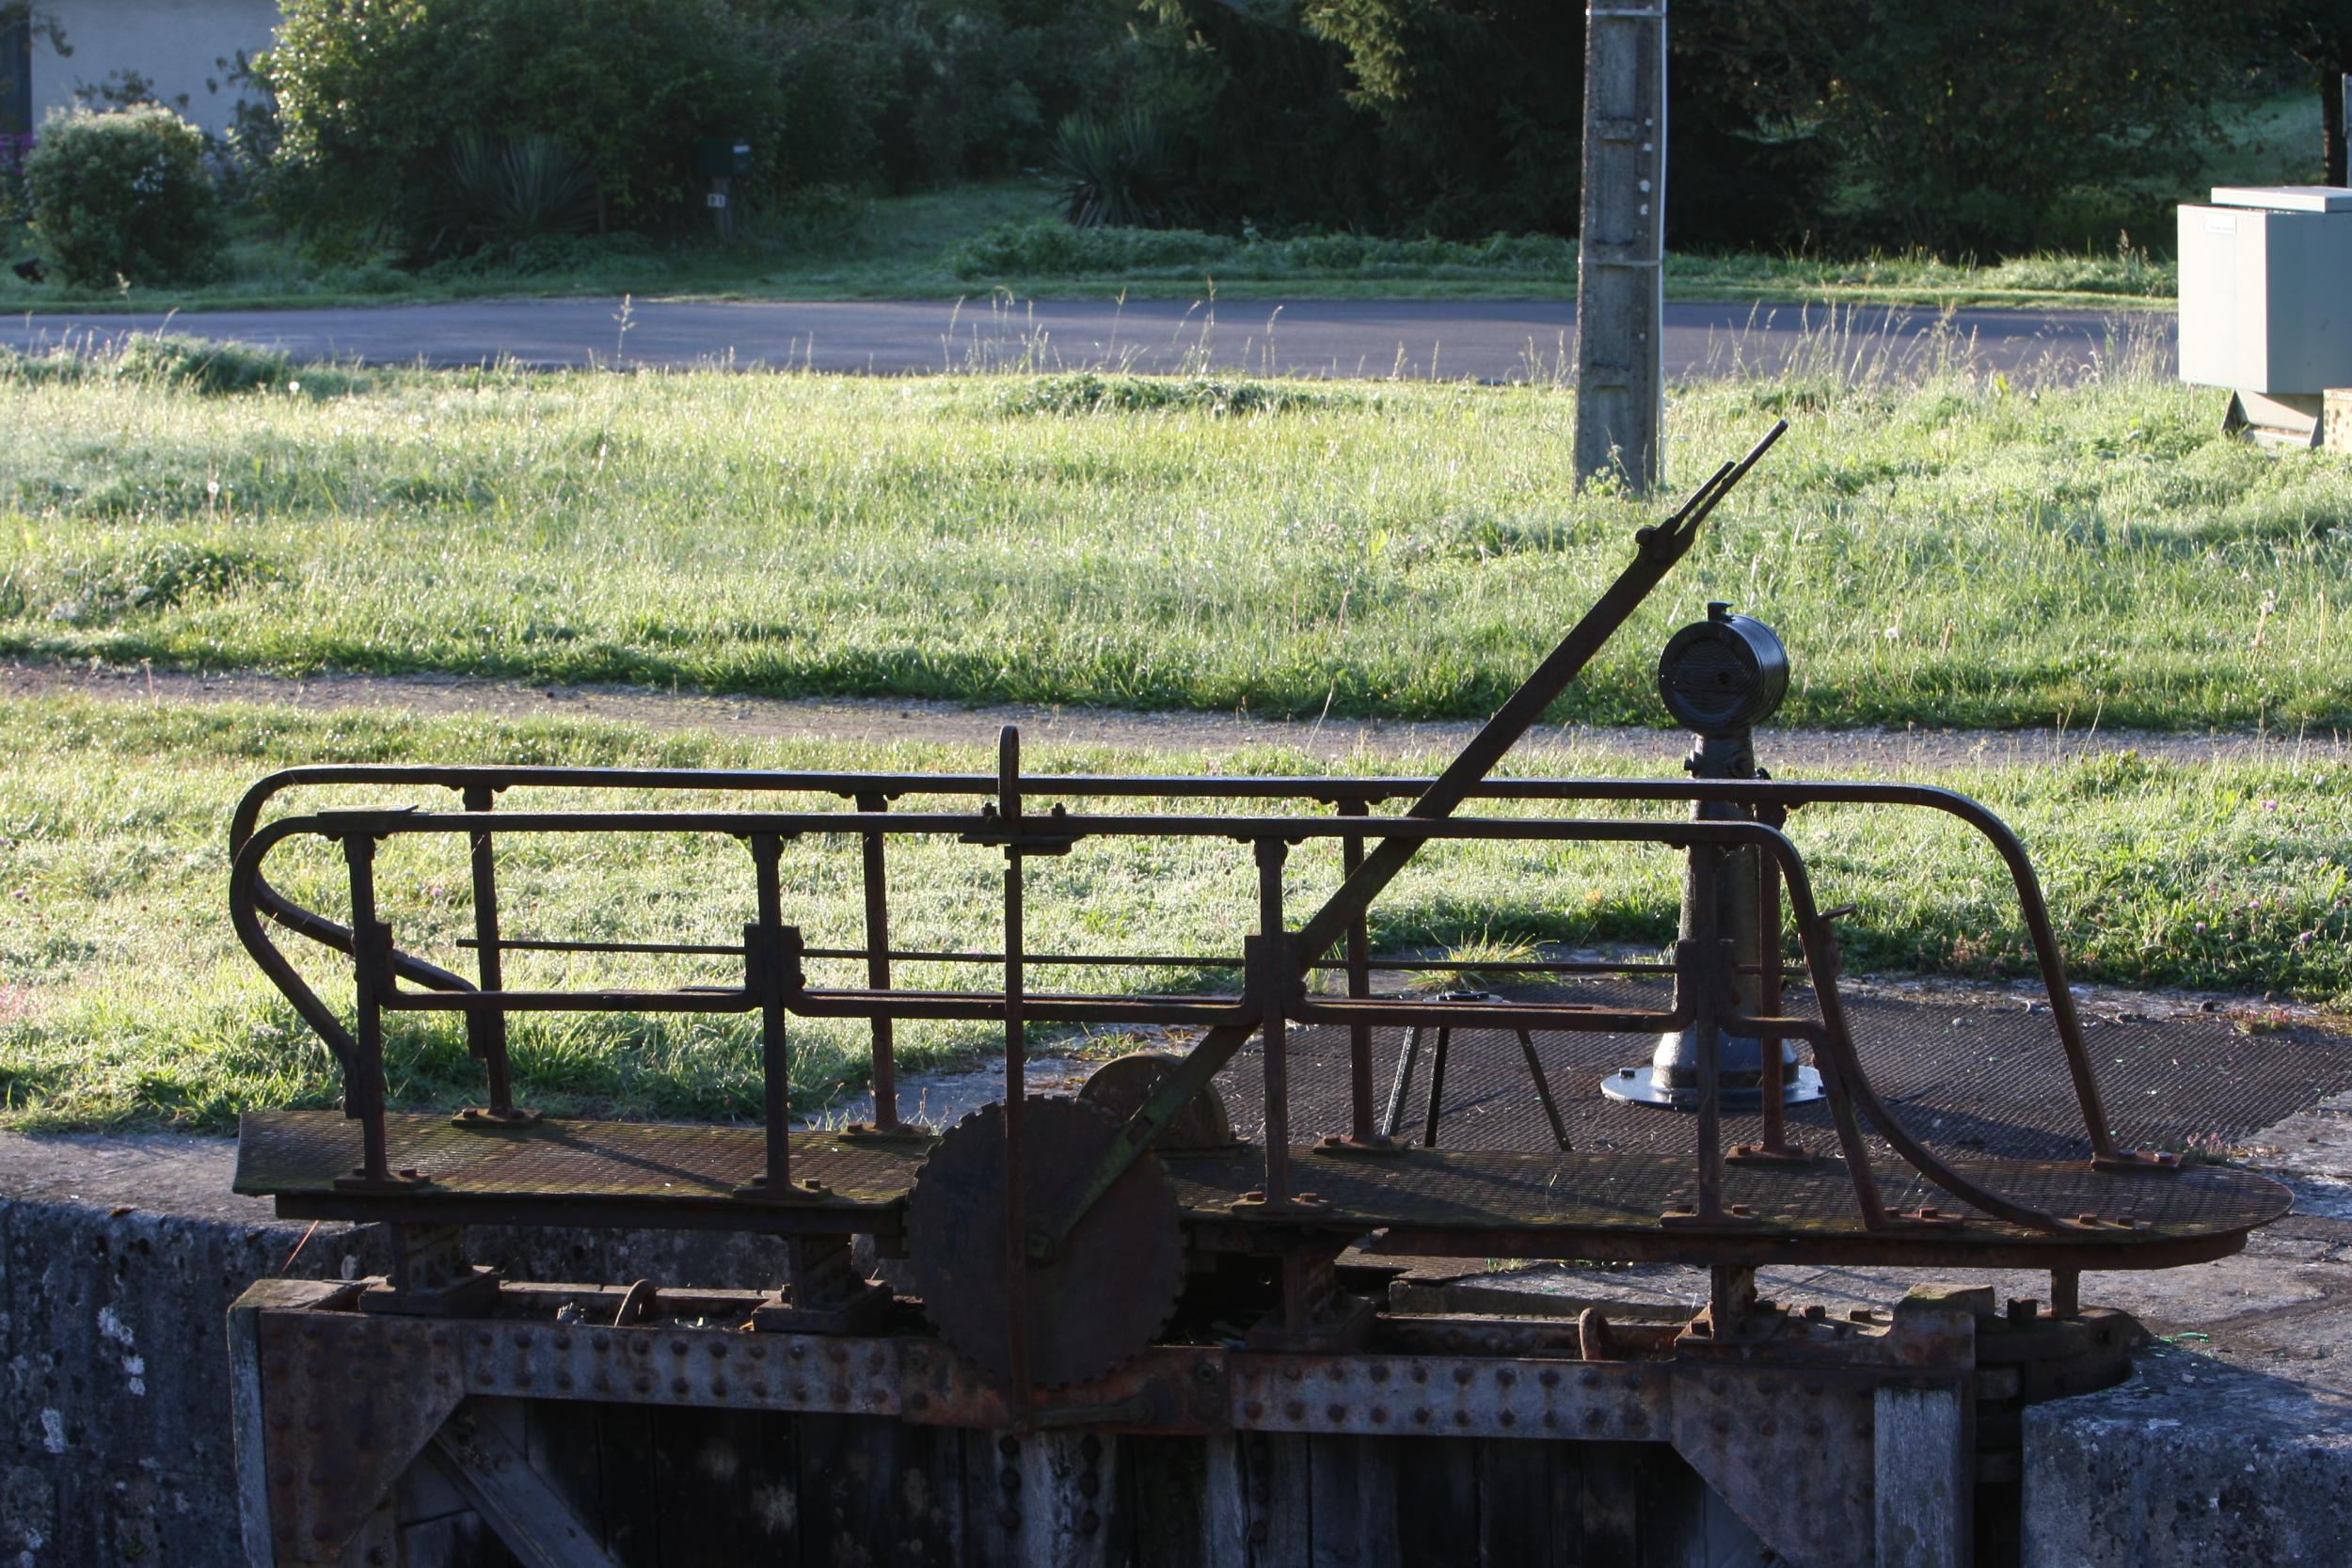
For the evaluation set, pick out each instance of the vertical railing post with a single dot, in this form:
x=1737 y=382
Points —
x=486 y=1028
x=1704 y=961
x=1270 y=982
x=371 y=946
x=878 y=969
x=1016 y=1247
x=1771 y=1050
x=1358 y=986
x=766 y=959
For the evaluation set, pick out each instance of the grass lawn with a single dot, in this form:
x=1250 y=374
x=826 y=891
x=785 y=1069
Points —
x=127 y=1002
x=1937 y=547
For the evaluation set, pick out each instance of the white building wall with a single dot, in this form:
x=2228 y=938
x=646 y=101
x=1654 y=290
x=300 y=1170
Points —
x=175 y=43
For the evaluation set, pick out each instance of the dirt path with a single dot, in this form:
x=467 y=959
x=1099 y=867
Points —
x=1814 y=751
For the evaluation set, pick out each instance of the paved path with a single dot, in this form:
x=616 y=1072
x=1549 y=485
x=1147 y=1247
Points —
x=1478 y=339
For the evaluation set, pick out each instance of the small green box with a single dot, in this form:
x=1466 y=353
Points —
x=722 y=156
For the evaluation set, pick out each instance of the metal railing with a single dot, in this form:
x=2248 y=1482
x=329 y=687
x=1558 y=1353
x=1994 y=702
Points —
x=1272 y=993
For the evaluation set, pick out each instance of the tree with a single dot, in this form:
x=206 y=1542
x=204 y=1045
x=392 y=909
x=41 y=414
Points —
x=1502 y=83
x=2319 y=34
x=1963 y=126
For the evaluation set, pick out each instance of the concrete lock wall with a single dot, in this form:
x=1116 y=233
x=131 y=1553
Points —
x=119 y=1258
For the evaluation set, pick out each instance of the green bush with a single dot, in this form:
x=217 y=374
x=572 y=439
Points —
x=375 y=101
x=503 y=194
x=1089 y=393
x=175 y=359
x=123 y=196
x=1056 y=249
x=379 y=103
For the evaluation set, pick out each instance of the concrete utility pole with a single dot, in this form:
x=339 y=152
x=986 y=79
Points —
x=1621 y=244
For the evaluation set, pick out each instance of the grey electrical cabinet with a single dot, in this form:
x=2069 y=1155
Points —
x=2266 y=280
x=2267 y=289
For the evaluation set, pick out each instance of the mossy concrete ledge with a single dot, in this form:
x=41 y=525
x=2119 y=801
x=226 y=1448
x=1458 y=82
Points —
x=119 y=1258
x=2192 y=1464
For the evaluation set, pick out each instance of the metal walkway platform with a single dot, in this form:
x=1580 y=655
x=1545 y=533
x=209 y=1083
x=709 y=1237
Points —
x=1618 y=1205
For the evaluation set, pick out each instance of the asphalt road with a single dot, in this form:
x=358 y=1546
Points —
x=1476 y=340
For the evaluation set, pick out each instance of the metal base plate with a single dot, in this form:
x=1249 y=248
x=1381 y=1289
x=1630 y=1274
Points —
x=1636 y=1086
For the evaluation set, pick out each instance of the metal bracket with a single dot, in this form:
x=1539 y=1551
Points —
x=828 y=1295
x=522 y=1510
x=310 y=1383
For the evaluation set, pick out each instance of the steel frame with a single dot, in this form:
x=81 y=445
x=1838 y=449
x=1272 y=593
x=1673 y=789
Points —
x=1809 y=1427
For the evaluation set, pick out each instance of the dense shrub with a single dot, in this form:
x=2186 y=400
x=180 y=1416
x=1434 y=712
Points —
x=379 y=100
x=122 y=195
x=1057 y=249
x=1051 y=249
x=199 y=364
x=1990 y=127
x=15 y=203
x=502 y=194
x=376 y=100
x=1843 y=123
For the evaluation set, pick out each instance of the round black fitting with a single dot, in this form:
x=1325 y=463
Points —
x=1722 y=675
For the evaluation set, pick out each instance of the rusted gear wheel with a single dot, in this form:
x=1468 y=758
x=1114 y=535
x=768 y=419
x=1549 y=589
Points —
x=1104 y=1298
x=1126 y=1084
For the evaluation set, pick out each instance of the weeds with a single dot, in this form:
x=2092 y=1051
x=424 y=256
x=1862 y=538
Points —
x=1088 y=393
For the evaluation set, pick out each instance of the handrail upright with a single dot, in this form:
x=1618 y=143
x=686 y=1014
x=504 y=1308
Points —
x=883 y=1034
x=485 y=1032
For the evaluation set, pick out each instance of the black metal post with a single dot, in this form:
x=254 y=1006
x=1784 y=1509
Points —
x=1543 y=1089
x=371 y=942
x=1709 y=960
x=764 y=948
x=486 y=1031
x=1436 y=1088
x=877 y=970
x=1016 y=1247
x=1358 y=984
x=1771 y=1064
x=1269 y=982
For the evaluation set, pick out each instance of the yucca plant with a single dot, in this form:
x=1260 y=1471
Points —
x=503 y=192
x=1119 y=172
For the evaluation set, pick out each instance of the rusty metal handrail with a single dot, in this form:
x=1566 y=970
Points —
x=1749 y=793
x=1849 y=1084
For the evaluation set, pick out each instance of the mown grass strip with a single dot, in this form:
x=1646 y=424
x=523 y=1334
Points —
x=1937 y=546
